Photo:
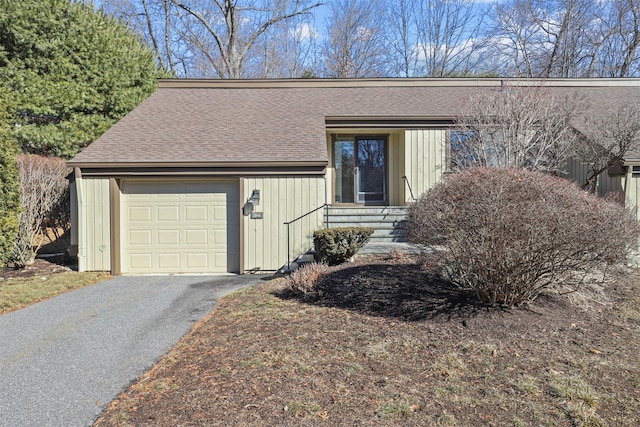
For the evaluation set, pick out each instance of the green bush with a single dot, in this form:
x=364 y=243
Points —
x=9 y=191
x=506 y=235
x=337 y=245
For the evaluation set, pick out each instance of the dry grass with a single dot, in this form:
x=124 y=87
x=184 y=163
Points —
x=19 y=292
x=382 y=346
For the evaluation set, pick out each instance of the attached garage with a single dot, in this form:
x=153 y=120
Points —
x=180 y=226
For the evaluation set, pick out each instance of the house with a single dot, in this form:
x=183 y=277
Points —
x=233 y=176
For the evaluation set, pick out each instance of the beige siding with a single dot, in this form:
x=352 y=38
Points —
x=424 y=159
x=95 y=227
x=282 y=199
x=396 y=169
x=73 y=204
x=632 y=193
x=577 y=171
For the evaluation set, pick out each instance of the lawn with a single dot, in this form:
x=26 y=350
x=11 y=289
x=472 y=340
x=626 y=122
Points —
x=384 y=345
x=20 y=288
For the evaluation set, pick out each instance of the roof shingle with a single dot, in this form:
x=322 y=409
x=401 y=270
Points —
x=284 y=121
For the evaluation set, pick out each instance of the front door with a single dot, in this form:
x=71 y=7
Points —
x=360 y=163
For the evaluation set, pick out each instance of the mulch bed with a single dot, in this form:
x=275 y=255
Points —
x=41 y=267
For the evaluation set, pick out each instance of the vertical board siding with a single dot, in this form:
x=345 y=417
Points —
x=632 y=193
x=97 y=224
x=73 y=195
x=282 y=199
x=577 y=171
x=424 y=159
x=395 y=171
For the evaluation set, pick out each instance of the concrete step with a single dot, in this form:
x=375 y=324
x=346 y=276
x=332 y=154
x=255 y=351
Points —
x=305 y=259
x=388 y=222
x=365 y=218
x=384 y=248
x=376 y=209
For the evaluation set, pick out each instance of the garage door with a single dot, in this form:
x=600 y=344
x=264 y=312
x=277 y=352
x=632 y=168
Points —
x=180 y=227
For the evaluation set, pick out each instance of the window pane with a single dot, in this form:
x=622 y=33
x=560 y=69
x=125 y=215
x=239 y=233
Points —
x=344 y=159
x=461 y=150
x=371 y=168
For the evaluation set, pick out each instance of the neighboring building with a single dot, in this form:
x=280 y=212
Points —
x=202 y=176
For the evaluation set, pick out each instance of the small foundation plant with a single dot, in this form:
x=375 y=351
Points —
x=306 y=279
x=506 y=235
x=337 y=245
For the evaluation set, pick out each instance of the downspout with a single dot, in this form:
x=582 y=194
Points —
x=82 y=215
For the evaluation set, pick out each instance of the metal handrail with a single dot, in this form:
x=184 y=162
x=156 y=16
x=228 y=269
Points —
x=406 y=180
x=288 y=223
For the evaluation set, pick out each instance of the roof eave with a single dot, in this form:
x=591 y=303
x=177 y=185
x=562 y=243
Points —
x=390 y=82
x=240 y=164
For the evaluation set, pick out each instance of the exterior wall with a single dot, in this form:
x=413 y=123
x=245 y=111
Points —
x=577 y=171
x=282 y=199
x=425 y=159
x=94 y=237
x=73 y=204
x=632 y=192
x=396 y=169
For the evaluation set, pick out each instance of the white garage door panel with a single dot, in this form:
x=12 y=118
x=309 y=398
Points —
x=180 y=227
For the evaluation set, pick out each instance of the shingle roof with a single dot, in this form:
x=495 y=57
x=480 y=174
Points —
x=187 y=121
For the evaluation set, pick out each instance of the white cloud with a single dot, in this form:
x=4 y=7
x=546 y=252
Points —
x=304 y=31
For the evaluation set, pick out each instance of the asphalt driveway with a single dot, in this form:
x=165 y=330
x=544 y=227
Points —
x=63 y=360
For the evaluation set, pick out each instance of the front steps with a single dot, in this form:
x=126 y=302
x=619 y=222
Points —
x=388 y=222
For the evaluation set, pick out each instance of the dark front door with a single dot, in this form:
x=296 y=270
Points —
x=360 y=164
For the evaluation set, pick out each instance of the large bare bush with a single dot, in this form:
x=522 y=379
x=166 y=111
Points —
x=43 y=184
x=505 y=235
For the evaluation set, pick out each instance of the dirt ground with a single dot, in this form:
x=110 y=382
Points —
x=383 y=344
x=41 y=267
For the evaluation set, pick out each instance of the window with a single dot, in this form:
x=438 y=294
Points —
x=462 y=150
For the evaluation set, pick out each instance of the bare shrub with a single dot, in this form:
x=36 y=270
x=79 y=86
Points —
x=305 y=280
x=525 y=127
x=507 y=235
x=42 y=185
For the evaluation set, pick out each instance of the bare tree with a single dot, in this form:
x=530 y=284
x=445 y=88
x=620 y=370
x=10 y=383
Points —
x=525 y=127
x=224 y=32
x=42 y=183
x=288 y=49
x=549 y=39
x=569 y=38
x=564 y=31
x=620 y=56
x=450 y=36
x=155 y=20
x=605 y=141
x=355 y=45
x=402 y=38
x=216 y=38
